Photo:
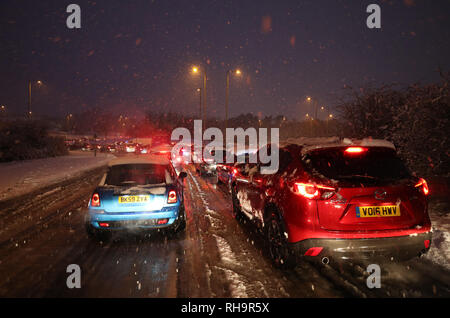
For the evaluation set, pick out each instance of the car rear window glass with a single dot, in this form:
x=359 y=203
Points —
x=375 y=164
x=138 y=174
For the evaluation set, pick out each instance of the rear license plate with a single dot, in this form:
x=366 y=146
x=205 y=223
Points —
x=377 y=211
x=134 y=199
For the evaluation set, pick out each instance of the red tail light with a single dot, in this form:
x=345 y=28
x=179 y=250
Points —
x=355 y=150
x=95 y=200
x=172 y=197
x=426 y=243
x=104 y=224
x=424 y=185
x=311 y=191
x=234 y=171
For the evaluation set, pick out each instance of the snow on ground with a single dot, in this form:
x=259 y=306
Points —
x=20 y=177
x=440 y=220
x=236 y=283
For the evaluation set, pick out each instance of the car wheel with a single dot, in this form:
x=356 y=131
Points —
x=236 y=212
x=180 y=225
x=279 y=250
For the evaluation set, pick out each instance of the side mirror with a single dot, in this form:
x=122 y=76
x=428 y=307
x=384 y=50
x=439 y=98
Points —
x=182 y=175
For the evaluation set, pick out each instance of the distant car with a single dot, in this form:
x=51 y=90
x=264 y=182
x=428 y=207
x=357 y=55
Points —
x=140 y=149
x=345 y=200
x=137 y=194
x=130 y=148
x=225 y=170
x=108 y=148
x=207 y=165
x=87 y=147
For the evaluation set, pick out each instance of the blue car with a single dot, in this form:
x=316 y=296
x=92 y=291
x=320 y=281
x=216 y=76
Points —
x=137 y=194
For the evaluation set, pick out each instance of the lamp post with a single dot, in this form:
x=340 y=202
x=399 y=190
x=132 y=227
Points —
x=30 y=83
x=197 y=70
x=199 y=90
x=330 y=116
x=227 y=93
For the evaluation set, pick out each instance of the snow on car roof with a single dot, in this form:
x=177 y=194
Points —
x=142 y=159
x=328 y=142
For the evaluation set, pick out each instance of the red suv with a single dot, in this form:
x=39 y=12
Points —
x=347 y=200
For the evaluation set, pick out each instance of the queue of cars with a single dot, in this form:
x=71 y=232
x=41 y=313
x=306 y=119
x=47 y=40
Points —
x=344 y=199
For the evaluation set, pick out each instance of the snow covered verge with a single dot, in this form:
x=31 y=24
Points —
x=20 y=177
x=440 y=219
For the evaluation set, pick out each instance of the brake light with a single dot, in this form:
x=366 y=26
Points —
x=422 y=183
x=95 y=200
x=355 y=150
x=311 y=191
x=172 y=197
x=104 y=224
x=234 y=171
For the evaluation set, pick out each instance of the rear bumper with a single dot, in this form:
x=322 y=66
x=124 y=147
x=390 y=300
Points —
x=130 y=221
x=399 y=247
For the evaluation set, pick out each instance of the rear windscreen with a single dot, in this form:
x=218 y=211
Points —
x=374 y=164
x=137 y=174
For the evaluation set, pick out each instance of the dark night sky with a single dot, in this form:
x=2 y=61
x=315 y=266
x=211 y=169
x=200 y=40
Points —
x=137 y=55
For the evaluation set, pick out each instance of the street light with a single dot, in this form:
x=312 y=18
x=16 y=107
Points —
x=330 y=116
x=227 y=93
x=29 y=95
x=196 y=70
x=315 y=104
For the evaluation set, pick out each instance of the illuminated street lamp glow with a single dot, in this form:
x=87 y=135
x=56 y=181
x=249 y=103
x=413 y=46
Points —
x=238 y=72
x=195 y=69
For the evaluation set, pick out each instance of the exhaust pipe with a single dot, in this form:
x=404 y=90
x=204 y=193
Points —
x=325 y=260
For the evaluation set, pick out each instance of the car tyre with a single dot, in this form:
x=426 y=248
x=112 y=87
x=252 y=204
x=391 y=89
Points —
x=236 y=210
x=180 y=225
x=279 y=250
